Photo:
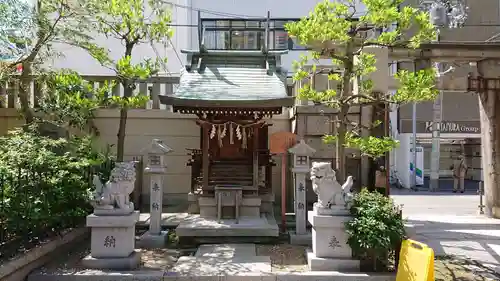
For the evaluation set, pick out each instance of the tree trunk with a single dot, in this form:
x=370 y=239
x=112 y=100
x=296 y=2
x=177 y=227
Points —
x=120 y=145
x=342 y=116
x=24 y=92
x=489 y=110
x=127 y=92
x=340 y=163
x=378 y=114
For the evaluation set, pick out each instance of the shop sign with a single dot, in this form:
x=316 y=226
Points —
x=446 y=127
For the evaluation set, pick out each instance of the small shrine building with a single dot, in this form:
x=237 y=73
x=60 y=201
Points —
x=232 y=93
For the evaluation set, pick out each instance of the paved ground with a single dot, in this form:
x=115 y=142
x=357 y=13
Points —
x=449 y=223
x=224 y=259
x=432 y=203
x=446 y=184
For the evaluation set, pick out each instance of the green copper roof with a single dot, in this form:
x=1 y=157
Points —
x=230 y=78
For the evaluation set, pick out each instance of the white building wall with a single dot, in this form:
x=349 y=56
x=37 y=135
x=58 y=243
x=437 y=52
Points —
x=79 y=60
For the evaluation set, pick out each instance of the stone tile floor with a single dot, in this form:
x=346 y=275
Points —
x=222 y=259
x=449 y=223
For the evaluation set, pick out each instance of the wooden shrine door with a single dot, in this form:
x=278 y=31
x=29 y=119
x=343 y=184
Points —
x=232 y=148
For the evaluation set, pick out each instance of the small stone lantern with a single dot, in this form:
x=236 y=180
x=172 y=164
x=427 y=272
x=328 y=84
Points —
x=302 y=153
x=156 y=168
x=155 y=157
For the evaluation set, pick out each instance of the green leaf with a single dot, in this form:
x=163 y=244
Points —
x=370 y=146
x=416 y=86
x=376 y=228
x=334 y=29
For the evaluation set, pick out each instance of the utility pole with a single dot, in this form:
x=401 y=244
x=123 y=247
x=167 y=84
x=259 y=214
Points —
x=451 y=14
x=413 y=184
x=437 y=116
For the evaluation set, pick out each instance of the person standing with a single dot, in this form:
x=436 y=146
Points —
x=459 y=172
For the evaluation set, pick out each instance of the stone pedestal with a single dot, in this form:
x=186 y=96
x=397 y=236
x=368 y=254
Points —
x=330 y=251
x=193 y=207
x=113 y=242
x=155 y=238
x=300 y=203
x=300 y=236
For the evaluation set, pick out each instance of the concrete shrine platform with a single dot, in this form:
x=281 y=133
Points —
x=192 y=225
x=196 y=226
x=168 y=219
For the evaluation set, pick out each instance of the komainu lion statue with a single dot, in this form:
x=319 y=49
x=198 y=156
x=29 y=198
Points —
x=325 y=185
x=115 y=193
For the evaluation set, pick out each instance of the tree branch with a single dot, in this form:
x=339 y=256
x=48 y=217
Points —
x=372 y=100
x=117 y=34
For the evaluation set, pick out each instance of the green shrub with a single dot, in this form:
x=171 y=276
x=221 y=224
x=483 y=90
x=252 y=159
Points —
x=45 y=183
x=376 y=229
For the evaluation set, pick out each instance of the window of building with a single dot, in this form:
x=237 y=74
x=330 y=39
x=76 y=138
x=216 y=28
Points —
x=236 y=34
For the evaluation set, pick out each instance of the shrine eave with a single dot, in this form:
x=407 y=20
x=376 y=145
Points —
x=256 y=105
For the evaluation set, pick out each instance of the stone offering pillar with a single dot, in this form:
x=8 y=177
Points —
x=156 y=169
x=113 y=222
x=301 y=155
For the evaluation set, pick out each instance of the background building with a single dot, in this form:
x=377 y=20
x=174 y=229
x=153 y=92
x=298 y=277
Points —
x=221 y=34
x=460 y=109
x=233 y=24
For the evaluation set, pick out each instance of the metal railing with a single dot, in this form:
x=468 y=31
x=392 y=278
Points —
x=480 y=191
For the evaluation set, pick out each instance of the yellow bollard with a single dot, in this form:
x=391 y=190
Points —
x=416 y=262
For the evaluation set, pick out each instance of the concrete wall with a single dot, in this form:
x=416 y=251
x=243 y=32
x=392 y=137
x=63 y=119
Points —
x=9 y=119
x=456 y=107
x=177 y=131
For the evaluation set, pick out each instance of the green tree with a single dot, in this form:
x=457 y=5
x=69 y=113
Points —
x=44 y=24
x=68 y=101
x=133 y=22
x=335 y=30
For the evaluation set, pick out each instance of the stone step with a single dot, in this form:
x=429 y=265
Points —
x=244 y=186
x=220 y=266
x=231 y=179
x=231 y=174
x=232 y=162
x=231 y=168
x=204 y=227
x=231 y=182
x=226 y=250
